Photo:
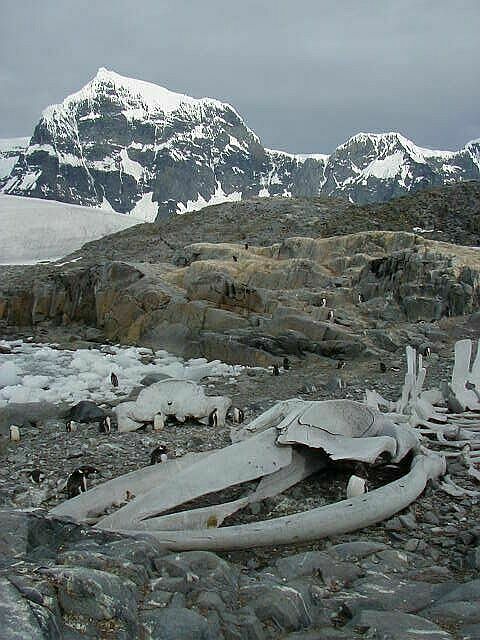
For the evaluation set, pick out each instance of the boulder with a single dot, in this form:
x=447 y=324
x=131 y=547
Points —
x=86 y=411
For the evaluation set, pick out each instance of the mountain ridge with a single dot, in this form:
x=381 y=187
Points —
x=138 y=148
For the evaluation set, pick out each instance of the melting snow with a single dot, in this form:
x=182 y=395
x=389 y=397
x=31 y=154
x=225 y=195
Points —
x=43 y=373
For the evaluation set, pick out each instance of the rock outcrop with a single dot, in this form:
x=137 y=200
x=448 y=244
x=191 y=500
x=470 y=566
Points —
x=334 y=297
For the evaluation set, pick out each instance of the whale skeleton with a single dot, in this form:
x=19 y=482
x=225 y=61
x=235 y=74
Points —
x=289 y=442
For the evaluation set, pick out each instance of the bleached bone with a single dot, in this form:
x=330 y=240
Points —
x=463 y=372
x=303 y=464
x=240 y=462
x=179 y=398
x=331 y=520
x=96 y=501
x=356 y=486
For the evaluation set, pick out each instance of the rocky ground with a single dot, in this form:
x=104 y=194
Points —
x=411 y=577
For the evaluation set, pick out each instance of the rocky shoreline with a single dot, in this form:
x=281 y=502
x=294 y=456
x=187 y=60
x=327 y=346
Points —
x=411 y=577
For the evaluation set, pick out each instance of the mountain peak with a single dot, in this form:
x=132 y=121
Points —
x=130 y=92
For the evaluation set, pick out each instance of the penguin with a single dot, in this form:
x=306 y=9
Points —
x=234 y=258
x=238 y=415
x=286 y=364
x=323 y=302
x=114 y=379
x=213 y=418
x=361 y=298
x=426 y=352
x=14 y=433
x=233 y=291
x=105 y=425
x=246 y=246
x=341 y=364
x=158 y=422
x=383 y=367
x=276 y=370
x=159 y=454
x=76 y=483
x=70 y=426
x=88 y=470
x=330 y=315
x=36 y=475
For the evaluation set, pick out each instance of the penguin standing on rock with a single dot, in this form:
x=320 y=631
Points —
x=36 y=476
x=76 y=483
x=114 y=380
x=70 y=426
x=234 y=258
x=276 y=370
x=383 y=368
x=341 y=364
x=14 y=433
x=286 y=364
x=159 y=454
x=106 y=425
x=330 y=315
x=238 y=415
x=323 y=303
x=213 y=418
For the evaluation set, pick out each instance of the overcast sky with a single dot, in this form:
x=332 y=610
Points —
x=305 y=74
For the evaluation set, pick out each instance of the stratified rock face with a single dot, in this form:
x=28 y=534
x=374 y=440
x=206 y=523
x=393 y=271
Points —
x=10 y=150
x=377 y=167
x=141 y=149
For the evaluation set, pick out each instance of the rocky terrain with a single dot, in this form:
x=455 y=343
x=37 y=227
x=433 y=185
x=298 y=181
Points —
x=135 y=147
x=247 y=287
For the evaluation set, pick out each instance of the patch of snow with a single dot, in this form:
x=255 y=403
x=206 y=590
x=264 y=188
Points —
x=145 y=209
x=130 y=166
x=217 y=198
x=264 y=193
x=389 y=167
x=43 y=373
x=35 y=229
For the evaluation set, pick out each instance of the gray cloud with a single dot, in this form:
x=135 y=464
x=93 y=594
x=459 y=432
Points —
x=305 y=74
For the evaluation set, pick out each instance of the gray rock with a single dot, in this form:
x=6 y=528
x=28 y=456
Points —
x=116 y=565
x=29 y=414
x=17 y=620
x=242 y=624
x=86 y=411
x=317 y=562
x=201 y=571
x=357 y=549
x=176 y=624
x=282 y=606
x=469 y=631
x=395 y=625
x=95 y=594
x=152 y=378
x=386 y=593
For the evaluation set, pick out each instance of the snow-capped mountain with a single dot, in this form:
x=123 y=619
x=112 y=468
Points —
x=134 y=147
x=10 y=150
x=137 y=148
x=373 y=167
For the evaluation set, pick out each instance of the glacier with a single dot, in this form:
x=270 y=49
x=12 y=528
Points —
x=35 y=230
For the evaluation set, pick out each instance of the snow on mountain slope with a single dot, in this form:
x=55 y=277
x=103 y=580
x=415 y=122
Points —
x=134 y=147
x=10 y=150
x=370 y=167
x=140 y=149
x=34 y=230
